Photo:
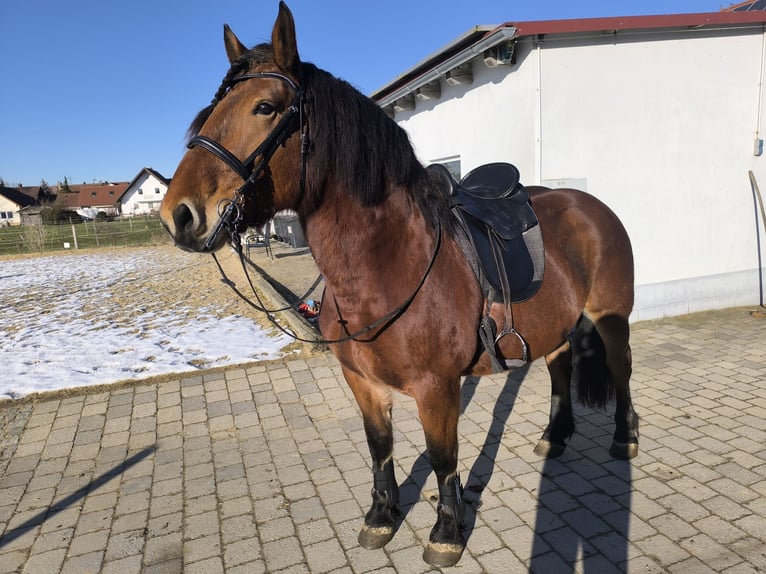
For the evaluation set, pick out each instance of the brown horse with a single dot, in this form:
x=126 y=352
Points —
x=400 y=294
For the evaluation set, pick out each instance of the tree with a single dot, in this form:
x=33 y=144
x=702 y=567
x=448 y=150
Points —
x=57 y=212
x=64 y=187
x=45 y=194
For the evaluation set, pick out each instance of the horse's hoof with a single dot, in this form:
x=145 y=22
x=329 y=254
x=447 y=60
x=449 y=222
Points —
x=374 y=537
x=442 y=555
x=548 y=449
x=624 y=450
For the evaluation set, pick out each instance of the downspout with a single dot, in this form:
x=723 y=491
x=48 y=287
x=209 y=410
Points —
x=760 y=91
x=757 y=198
x=538 y=113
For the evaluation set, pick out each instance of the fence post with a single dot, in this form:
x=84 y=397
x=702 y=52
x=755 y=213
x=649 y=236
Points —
x=74 y=236
x=95 y=234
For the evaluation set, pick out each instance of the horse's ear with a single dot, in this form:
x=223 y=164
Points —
x=234 y=48
x=283 y=40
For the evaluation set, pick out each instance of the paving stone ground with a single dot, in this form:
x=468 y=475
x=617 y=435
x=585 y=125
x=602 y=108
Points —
x=265 y=469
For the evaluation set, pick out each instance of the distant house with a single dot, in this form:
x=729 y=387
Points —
x=144 y=194
x=89 y=199
x=12 y=201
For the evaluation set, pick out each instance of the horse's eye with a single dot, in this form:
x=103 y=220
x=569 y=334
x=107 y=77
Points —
x=264 y=108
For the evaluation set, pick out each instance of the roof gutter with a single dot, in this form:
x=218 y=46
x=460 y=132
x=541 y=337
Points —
x=494 y=38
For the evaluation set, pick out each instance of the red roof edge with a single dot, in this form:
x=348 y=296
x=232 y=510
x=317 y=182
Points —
x=636 y=22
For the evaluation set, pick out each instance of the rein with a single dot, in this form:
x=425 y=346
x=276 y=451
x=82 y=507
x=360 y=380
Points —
x=384 y=322
x=230 y=211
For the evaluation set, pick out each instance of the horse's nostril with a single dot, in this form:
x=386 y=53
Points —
x=183 y=218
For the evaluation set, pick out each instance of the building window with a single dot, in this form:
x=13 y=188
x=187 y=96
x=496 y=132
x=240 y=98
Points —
x=157 y=190
x=6 y=215
x=452 y=164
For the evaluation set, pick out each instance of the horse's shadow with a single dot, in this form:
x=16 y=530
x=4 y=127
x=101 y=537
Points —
x=583 y=507
x=484 y=465
x=584 y=504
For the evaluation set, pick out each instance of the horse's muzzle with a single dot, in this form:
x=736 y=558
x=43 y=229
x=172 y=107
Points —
x=188 y=228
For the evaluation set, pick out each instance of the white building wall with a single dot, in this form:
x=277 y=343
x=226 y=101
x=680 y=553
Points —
x=9 y=212
x=660 y=126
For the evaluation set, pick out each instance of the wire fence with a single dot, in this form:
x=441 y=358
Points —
x=89 y=234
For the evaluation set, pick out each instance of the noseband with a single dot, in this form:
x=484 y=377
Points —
x=230 y=211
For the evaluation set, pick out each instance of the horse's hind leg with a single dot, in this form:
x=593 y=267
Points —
x=439 y=408
x=561 y=422
x=375 y=403
x=615 y=334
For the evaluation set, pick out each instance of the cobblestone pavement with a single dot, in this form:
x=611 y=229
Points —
x=265 y=469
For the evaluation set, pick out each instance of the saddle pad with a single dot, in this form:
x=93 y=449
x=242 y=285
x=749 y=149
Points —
x=503 y=233
x=523 y=260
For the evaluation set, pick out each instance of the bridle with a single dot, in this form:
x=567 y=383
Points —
x=230 y=210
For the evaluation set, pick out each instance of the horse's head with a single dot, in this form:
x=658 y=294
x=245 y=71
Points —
x=244 y=158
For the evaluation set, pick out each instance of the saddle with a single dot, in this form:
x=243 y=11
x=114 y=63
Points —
x=502 y=241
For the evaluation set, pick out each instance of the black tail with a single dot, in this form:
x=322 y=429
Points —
x=590 y=375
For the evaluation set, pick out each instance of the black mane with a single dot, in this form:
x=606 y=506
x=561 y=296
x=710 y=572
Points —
x=366 y=152
x=353 y=142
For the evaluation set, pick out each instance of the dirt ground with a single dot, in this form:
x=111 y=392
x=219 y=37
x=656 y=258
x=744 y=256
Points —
x=194 y=280
x=283 y=277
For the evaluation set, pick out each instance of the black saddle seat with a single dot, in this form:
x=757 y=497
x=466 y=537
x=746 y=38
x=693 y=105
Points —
x=490 y=181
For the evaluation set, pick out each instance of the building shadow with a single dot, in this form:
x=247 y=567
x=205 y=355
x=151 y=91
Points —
x=73 y=498
x=290 y=296
x=294 y=253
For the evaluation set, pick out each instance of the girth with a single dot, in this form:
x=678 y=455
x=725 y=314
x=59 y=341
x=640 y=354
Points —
x=502 y=241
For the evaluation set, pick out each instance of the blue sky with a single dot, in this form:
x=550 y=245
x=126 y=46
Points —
x=98 y=89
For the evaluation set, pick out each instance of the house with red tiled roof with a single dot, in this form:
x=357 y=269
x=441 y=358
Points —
x=141 y=196
x=89 y=199
x=661 y=117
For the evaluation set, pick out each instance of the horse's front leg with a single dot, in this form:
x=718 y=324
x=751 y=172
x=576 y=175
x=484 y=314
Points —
x=439 y=408
x=375 y=403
